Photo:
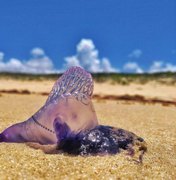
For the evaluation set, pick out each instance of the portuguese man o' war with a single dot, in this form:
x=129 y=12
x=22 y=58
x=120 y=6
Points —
x=68 y=119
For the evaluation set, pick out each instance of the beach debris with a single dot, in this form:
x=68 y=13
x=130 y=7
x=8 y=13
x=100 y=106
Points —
x=68 y=119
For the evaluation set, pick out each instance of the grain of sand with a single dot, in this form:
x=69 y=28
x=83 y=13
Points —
x=155 y=123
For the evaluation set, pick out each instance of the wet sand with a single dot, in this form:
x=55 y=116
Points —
x=154 y=122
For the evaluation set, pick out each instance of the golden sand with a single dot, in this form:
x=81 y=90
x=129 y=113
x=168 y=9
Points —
x=150 y=90
x=155 y=123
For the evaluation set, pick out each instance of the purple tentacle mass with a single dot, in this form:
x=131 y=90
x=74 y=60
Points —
x=100 y=140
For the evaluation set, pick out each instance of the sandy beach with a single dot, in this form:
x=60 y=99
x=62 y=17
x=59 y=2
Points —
x=154 y=122
x=149 y=90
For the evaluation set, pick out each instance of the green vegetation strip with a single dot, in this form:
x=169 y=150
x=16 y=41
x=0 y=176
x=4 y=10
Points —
x=120 y=78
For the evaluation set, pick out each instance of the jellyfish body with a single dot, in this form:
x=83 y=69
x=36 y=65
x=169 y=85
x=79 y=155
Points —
x=69 y=101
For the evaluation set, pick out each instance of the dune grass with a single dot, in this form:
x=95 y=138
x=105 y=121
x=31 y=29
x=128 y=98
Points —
x=120 y=78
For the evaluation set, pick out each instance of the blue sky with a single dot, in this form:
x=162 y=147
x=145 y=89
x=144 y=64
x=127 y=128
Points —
x=107 y=35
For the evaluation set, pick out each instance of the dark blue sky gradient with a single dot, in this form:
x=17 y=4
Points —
x=117 y=27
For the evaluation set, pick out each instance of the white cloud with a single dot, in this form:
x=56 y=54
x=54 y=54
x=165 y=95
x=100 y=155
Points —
x=85 y=45
x=132 y=67
x=160 y=66
x=135 y=53
x=72 y=61
x=106 y=66
x=38 y=63
x=87 y=56
x=37 y=52
x=1 y=56
x=156 y=66
x=13 y=65
x=170 y=67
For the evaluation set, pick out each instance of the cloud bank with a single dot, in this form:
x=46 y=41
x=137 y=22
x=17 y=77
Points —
x=160 y=66
x=86 y=56
x=132 y=67
x=38 y=63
